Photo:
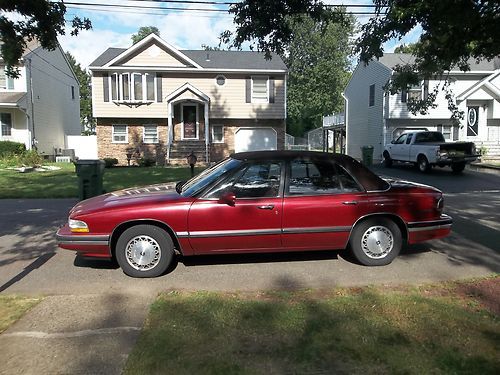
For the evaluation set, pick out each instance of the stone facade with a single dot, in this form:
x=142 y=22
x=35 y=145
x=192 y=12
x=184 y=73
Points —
x=109 y=149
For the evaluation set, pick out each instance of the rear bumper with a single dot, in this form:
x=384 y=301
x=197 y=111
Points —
x=85 y=244
x=428 y=230
x=458 y=159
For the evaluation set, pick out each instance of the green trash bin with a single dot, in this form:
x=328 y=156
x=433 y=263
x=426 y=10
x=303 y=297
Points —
x=89 y=174
x=367 y=152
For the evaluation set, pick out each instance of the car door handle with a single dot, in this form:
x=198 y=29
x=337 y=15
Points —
x=266 y=207
x=350 y=203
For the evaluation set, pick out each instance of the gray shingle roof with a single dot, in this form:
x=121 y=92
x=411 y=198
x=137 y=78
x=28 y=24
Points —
x=11 y=97
x=216 y=59
x=392 y=59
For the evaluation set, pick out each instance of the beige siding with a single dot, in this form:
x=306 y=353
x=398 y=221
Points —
x=153 y=55
x=55 y=113
x=227 y=101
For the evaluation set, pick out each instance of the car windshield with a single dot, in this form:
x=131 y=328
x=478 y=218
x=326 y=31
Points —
x=208 y=176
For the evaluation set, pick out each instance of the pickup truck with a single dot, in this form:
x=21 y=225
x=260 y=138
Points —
x=426 y=149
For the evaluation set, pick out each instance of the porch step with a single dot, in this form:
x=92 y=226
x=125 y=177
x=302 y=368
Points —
x=180 y=150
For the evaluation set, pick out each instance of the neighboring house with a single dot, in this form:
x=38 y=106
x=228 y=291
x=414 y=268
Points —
x=159 y=102
x=41 y=107
x=374 y=118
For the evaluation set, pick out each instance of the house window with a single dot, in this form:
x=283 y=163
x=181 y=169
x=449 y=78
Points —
x=260 y=90
x=6 y=120
x=150 y=134
x=73 y=92
x=371 y=98
x=5 y=81
x=221 y=80
x=217 y=134
x=137 y=87
x=415 y=92
x=120 y=134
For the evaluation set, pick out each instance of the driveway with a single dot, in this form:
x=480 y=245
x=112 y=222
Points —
x=31 y=263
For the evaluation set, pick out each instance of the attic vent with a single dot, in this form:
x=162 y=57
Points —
x=208 y=57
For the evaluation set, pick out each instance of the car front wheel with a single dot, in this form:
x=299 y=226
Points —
x=376 y=242
x=144 y=251
x=387 y=160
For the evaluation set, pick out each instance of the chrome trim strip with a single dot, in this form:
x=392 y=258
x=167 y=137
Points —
x=182 y=234
x=433 y=227
x=105 y=243
x=98 y=240
x=316 y=230
x=444 y=220
x=233 y=233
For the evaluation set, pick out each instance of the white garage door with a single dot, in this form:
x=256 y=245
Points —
x=254 y=139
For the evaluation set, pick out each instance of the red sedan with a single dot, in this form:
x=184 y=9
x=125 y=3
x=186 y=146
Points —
x=266 y=201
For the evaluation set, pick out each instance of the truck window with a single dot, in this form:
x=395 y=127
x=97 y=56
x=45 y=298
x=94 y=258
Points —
x=429 y=137
x=401 y=139
x=408 y=140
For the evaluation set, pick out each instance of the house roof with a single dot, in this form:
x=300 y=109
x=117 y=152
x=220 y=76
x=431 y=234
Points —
x=31 y=45
x=216 y=59
x=11 y=97
x=392 y=59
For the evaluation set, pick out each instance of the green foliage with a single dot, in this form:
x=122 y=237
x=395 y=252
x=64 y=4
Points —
x=40 y=20
x=406 y=48
x=85 y=81
x=9 y=147
x=317 y=60
x=110 y=162
x=265 y=23
x=144 y=32
x=146 y=162
x=29 y=158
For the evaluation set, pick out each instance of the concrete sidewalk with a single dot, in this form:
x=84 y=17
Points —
x=85 y=334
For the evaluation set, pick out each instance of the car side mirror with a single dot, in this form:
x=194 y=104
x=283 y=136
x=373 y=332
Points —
x=228 y=198
x=393 y=141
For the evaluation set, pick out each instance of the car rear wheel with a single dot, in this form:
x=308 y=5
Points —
x=376 y=242
x=387 y=160
x=144 y=251
x=423 y=164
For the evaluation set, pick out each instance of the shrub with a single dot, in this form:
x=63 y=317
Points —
x=27 y=158
x=109 y=162
x=146 y=162
x=11 y=148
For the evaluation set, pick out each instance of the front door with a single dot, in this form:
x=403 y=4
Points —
x=252 y=223
x=190 y=121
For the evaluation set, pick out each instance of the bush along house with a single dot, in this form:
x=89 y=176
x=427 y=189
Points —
x=155 y=102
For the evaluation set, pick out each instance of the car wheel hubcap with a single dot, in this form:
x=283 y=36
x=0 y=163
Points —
x=143 y=253
x=377 y=242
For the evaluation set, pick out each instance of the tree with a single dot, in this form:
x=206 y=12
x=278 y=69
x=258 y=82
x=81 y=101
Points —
x=405 y=48
x=42 y=20
x=453 y=33
x=84 y=79
x=317 y=59
x=144 y=32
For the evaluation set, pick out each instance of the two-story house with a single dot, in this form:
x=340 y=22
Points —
x=41 y=107
x=157 y=101
x=374 y=118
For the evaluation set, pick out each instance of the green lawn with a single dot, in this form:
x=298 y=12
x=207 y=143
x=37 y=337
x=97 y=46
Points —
x=12 y=308
x=429 y=330
x=64 y=184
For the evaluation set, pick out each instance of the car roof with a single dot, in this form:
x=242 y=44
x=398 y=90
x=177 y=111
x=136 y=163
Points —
x=369 y=180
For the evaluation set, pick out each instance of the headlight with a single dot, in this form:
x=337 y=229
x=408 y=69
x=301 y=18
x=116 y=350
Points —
x=78 y=226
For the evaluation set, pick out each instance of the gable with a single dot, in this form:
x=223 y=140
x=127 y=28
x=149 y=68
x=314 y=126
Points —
x=153 y=54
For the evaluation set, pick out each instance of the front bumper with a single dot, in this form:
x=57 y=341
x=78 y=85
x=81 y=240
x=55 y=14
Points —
x=90 y=245
x=429 y=230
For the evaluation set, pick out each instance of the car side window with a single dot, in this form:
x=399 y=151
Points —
x=408 y=140
x=349 y=185
x=401 y=139
x=309 y=177
x=257 y=180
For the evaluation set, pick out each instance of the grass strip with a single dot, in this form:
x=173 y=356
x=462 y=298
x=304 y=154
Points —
x=12 y=308
x=427 y=330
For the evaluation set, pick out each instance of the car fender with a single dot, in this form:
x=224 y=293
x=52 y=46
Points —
x=403 y=226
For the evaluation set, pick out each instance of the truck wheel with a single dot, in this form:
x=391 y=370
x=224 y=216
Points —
x=387 y=160
x=423 y=164
x=144 y=251
x=457 y=167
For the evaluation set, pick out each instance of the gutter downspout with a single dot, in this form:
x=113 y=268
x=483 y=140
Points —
x=207 y=136
x=32 y=110
x=346 y=121
x=169 y=130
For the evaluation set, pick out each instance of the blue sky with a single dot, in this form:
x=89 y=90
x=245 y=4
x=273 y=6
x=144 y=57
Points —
x=113 y=26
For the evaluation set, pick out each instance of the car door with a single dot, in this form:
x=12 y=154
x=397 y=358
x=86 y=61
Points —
x=399 y=147
x=322 y=202
x=242 y=213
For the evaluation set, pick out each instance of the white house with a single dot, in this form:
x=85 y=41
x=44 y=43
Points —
x=41 y=107
x=374 y=118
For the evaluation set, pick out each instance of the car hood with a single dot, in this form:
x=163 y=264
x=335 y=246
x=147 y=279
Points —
x=145 y=195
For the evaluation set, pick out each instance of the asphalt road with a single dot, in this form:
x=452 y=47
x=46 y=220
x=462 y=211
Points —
x=31 y=263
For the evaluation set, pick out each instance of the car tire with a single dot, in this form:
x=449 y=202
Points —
x=144 y=251
x=458 y=167
x=387 y=160
x=423 y=164
x=376 y=241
